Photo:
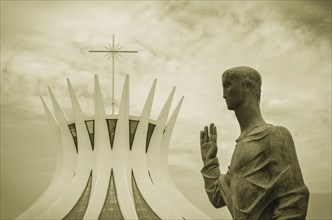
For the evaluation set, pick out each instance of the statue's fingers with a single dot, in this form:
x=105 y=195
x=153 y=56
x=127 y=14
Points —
x=214 y=131
x=206 y=134
x=214 y=138
x=202 y=137
x=211 y=128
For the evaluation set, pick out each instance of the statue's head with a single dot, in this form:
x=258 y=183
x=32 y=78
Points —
x=239 y=84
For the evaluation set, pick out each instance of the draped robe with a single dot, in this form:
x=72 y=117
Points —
x=264 y=179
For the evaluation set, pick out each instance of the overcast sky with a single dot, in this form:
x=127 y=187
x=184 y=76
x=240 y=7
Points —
x=182 y=44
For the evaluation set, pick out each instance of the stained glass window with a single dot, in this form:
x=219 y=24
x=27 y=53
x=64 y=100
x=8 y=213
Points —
x=149 y=135
x=143 y=210
x=111 y=124
x=111 y=208
x=132 y=130
x=72 y=128
x=79 y=209
x=90 y=126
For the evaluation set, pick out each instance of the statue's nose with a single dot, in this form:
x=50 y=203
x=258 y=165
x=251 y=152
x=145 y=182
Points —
x=224 y=95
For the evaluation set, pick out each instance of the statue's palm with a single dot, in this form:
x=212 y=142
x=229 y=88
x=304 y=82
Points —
x=209 y=146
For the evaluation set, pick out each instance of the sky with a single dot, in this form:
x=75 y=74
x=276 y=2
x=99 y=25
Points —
x=179 y=43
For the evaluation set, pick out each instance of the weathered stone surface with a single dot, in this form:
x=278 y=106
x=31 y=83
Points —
x=264 y=179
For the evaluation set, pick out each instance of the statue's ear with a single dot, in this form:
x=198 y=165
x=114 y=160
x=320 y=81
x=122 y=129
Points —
x=248 y=86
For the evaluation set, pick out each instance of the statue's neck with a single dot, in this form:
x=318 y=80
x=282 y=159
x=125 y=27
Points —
x=249 y=116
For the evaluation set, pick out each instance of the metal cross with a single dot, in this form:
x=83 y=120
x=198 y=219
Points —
x=113 y=51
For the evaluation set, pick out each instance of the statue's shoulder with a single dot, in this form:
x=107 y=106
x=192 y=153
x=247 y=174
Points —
x=280 y=131
x=265 y=132
x=281 y=136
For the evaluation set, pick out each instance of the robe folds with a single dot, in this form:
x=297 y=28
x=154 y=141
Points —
x=264 y=179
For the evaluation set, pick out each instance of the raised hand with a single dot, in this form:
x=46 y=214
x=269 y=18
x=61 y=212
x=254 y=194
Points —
x=209 y=146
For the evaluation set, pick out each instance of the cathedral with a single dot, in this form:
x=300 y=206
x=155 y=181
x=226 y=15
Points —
x=112 y=166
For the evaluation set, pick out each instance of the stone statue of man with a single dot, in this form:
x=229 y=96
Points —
x=264 y=179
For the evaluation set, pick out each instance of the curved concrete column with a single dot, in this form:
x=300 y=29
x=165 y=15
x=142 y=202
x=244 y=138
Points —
x=57 y=139
x=166 y=141
x=140 y=171
x=154 y=152
x=70 y=197
x=69 y=160
x=101 y=167
x=162 y=178
x=120 y=157
x=69 y=154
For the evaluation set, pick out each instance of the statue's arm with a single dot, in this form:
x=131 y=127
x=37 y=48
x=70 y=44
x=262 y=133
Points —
x=210 y=171
x=211 y=175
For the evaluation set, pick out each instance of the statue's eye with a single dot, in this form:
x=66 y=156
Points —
x=226 y=85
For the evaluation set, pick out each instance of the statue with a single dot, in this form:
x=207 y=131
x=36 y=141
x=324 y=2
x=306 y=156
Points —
x=264 y=179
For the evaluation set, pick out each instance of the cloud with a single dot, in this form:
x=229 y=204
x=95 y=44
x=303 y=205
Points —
x=182 y=44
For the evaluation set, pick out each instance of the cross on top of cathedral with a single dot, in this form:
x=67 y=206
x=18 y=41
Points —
x=113 y=51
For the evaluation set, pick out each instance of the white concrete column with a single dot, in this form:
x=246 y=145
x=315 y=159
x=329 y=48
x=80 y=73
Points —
x=102 y=167
x=75 y=189
x=140 y=171
x=154 y=152
x=166 y=141
x=162 y=180
x=69 y=154
x=69 y=160
x=120 y=157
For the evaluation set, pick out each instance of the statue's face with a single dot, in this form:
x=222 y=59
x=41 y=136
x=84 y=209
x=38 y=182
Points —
x=233 y=92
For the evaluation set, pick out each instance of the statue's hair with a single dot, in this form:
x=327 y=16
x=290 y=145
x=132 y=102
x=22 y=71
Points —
x=245 y=74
